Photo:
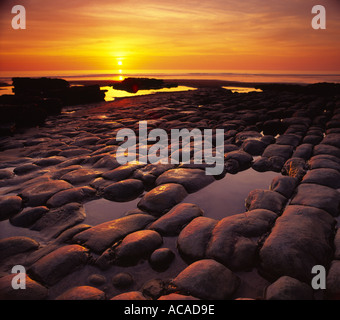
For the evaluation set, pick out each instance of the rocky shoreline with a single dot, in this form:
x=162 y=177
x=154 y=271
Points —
x=166 y=248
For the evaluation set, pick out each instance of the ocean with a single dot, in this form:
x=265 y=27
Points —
x=237 y=76
x=233 y=76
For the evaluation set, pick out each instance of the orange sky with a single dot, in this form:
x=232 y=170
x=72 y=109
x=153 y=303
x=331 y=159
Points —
x=170 y=34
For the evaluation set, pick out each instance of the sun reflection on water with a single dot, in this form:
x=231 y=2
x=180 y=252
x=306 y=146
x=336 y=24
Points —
x=111 y=93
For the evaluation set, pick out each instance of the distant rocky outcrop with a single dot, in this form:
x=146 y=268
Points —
x=36 y=99
x=322 y=88
x=58 y=89
x=133 y=85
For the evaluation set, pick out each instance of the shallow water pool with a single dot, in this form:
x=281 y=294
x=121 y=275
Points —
x=111 y=93
x=227 y=196
x=102 y=210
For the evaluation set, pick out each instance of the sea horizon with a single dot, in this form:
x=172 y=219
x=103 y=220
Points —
x=258 y=76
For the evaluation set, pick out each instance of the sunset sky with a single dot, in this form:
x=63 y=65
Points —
x=170 y=35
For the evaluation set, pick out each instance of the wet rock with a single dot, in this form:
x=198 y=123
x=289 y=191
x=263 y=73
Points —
x=333 y=280
x=82 y=293
x=150 y=172
x=295 y=167
x=323 y=163
x=5 y=174
x=287 y=288
x=162 y=198
x=38 y=194
x=156 y=169
x=332 y=139
x=273 y=127
x=232 y=241
x=96 y=279
x=326 y=177
x=176 y=296
x=173 y=222
x=244 y=256
x=56 y=243
x=54 y=222
x=326 y=149
x=191 y=179
x=70 y=153
x=303 y=151
x=25 y=169
x=134 y=247
x=274 y=163
x=161 y=259
x=90 y=160
x=194 y=238
x=300 y=239
x=312 y=139
x=302 y=121
x=57 y=174
x=47 y=162
x=154 y=288
x=100 y=184
x=18 y=183
x=125 y=190
x=59 y=263
x=87 y=141
x=246 y=135
x=107 y=162
x=80 y=176
x=289 y=139
x=230 y=147
x=122 y=280
x=207 y=279
x=283 y=151
x=284 y=185
x=133 y=295
x=265 y=199
x=15 y=245
x=337 y=245
x=79 y=194
x=318 y=196
x=33 y=290
x=254 y=147
x=104 y=150
x=243 y=158
x=104 y=235
x=262 y=164
x=9 y=206
x=28 y=216
x=326 y=157
x=268 y=139
x=76 y=161
x=232 y=166
x=122 y=172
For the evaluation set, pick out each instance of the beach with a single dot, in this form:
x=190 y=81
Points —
x=85 y=226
